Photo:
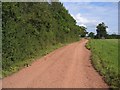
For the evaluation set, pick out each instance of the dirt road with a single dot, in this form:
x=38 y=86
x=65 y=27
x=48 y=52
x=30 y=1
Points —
x=67 y=67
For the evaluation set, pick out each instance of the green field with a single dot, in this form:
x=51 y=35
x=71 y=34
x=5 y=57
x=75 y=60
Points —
x=105 y=59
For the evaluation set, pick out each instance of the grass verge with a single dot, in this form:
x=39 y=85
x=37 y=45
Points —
x=105 y=59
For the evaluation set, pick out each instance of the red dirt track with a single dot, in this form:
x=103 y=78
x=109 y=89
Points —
x=66 y=67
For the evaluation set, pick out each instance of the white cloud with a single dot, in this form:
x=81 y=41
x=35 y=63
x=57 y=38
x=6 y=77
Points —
x=107 y=30
x=91 y=14
x=80 y=19
x=83 y=25
x=84 y=20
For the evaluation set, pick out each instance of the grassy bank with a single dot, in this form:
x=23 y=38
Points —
x=105 y=59
x=25 y=63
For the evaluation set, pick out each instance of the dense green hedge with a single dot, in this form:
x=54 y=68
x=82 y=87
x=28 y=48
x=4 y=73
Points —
x=30 y=27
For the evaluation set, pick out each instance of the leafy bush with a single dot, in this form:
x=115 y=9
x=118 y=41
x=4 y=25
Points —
x=29 y=28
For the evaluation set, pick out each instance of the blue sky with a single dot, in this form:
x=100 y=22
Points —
x=89 y=14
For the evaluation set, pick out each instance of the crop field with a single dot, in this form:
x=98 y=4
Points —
x=105 y=59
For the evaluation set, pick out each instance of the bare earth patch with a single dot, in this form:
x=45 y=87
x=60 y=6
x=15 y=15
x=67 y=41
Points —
x=67 y=67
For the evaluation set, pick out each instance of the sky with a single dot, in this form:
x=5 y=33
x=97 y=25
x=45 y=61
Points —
x=90 y=14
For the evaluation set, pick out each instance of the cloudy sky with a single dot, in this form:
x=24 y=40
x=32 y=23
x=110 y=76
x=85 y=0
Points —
x=89 y=14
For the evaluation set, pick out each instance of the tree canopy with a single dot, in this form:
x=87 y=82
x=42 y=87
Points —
x=91 y=34
x=101 y=30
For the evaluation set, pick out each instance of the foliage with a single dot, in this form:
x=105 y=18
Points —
x=101 y=30
x=83 y=32
x=113 y=36
x=29 y=28
x=105 y=59
x=91 y=34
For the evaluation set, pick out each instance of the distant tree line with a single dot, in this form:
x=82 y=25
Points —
x=113 y=36
x=102 y=33
x=29 y=27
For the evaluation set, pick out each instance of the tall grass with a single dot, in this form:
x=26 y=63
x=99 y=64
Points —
x=105 y=59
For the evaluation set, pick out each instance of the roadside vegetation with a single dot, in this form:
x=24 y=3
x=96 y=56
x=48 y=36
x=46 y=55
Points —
x=105 y=59
x=27 y=62
x=34 y=28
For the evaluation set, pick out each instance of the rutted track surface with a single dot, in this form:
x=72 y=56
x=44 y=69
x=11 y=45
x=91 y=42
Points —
x=67 y=67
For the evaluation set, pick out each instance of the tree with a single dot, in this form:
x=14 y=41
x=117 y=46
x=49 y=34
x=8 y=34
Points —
x=101 y=30
x=83 y=31
x=91 y=34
